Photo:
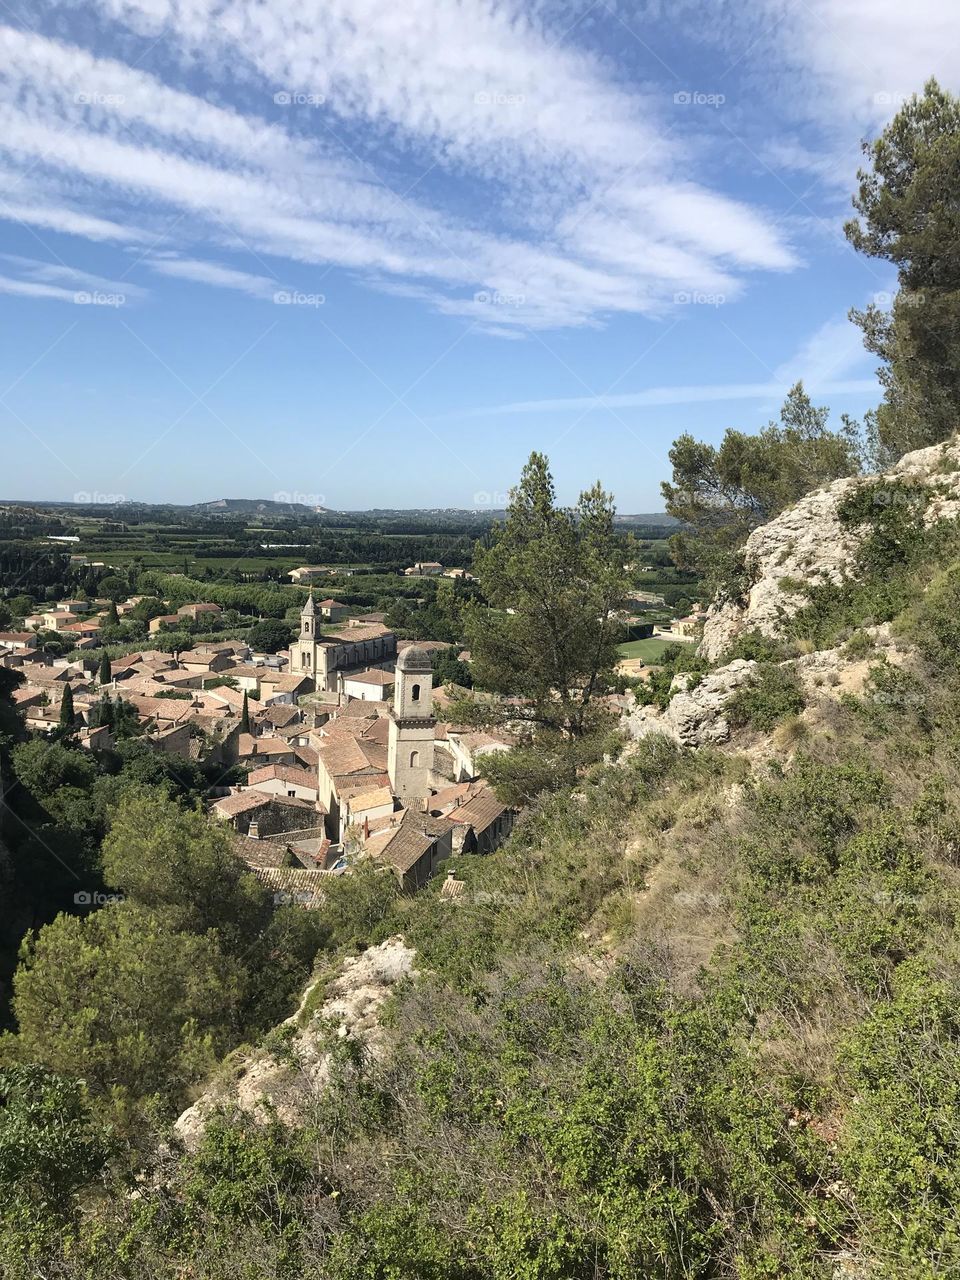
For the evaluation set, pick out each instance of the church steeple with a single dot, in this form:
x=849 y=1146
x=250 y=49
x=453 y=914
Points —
x=307 y=616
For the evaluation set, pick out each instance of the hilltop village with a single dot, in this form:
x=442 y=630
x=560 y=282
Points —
x=344 y=743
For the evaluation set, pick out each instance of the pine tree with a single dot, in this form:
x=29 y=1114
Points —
x=66 y=708
x=245 y=715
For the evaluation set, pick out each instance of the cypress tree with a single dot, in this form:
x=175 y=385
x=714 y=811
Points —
x=66 y=708
x=106 y=672
x=245 y=715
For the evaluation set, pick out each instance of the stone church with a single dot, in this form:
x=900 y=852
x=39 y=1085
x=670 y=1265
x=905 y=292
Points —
x=342 y=651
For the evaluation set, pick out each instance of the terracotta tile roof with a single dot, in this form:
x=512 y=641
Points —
x=452 y=887
x=371 y=800
x=280 y=714
x=369 y=709
x=293 y=885
x=479 y=812
x=241 y=802
x=359 y=784
x=347 y=634
x=285 y=773
x=353 y=756
x=373 y=675
x=402 y=847
x=224 y=694
x=173 y=709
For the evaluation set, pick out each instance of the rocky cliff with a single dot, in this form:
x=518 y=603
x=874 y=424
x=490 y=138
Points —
x=809 y=544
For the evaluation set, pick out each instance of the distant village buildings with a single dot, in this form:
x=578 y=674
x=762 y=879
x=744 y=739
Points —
x=342 y=754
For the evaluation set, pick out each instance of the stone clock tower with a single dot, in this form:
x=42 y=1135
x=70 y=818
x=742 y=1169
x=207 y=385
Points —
x=411 y=734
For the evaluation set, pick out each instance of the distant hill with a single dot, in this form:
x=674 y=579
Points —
x=255 y=506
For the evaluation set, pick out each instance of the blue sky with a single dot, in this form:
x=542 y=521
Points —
x=368 y=254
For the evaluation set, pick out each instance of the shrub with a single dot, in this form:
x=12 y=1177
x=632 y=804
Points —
x=773 y=694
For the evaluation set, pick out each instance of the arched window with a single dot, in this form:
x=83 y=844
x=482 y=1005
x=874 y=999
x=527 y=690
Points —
x=414 y=759
x=306 y=628
x=415 y=693
x=306 y=659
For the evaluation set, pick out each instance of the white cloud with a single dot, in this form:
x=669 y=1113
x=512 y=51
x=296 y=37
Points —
x=833 y=351
x=579 y=207
x=215 y=274
x=654 y=396
x=54 y=275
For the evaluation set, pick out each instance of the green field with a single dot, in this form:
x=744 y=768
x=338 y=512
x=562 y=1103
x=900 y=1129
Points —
x=648 y=650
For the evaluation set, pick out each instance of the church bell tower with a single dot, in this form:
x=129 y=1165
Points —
x=412 y=727
x=303 y=654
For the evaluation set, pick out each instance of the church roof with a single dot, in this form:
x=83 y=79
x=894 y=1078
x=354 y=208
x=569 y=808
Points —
x=309 y=607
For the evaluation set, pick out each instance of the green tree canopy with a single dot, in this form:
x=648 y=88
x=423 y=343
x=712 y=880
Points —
x=721 y=494
x=269 y=635
x=908 y=203
x=67 y=714
x=553 y=578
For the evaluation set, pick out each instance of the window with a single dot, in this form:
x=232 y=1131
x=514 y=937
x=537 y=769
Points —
x=306 y=659
x=306 y=628
x=414 y=759
x=292 y=795
x=415 y=693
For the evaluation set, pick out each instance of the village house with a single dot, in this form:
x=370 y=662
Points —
x=467 y=746
x=285 y=780
x=424 y=569
x=260 y=814
x=18 y=641
x=195 y=611
x=308 y=573
x=163 y=620
x=414 y=848
x=372 y=685
x=333 y=610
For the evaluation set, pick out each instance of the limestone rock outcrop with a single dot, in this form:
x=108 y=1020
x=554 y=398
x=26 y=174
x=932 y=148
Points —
x=695 y=715
x=808 y=544
x=285 y=1083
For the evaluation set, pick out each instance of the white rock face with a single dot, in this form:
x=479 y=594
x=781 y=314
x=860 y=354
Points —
x=808 y=544
x=694 y=718
x=286 y=1086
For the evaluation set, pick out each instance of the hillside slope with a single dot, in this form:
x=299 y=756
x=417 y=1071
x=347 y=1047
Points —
x=698 y=1018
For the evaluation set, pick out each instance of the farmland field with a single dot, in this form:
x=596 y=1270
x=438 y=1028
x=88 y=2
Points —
x=648 y=650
